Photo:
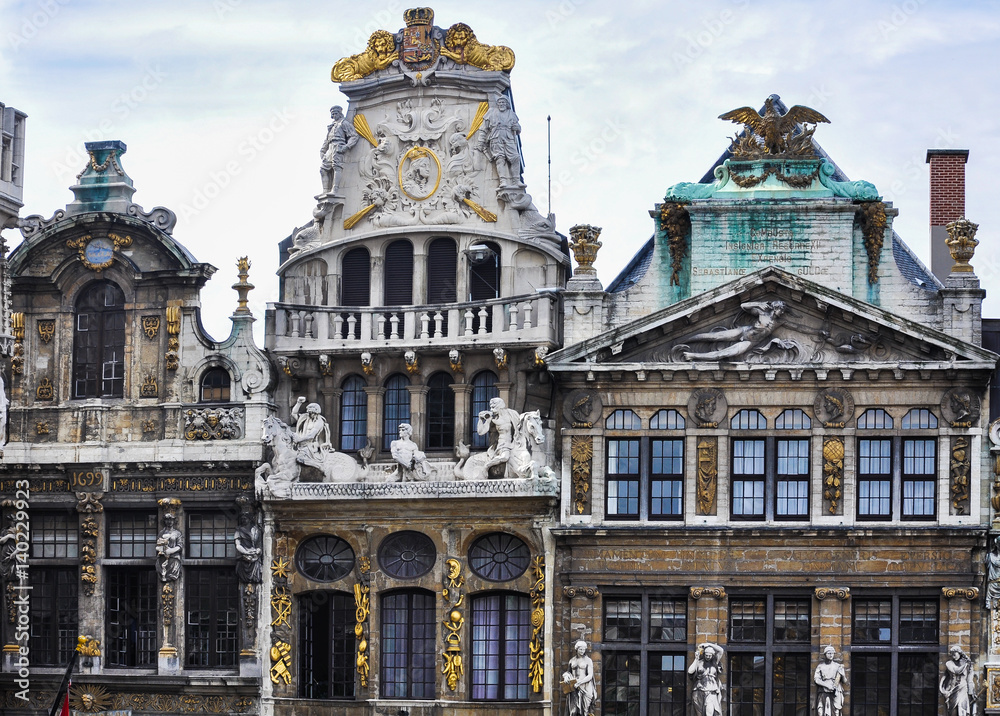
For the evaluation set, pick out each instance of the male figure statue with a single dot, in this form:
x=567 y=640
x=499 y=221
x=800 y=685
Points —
x=830 y=679
x=340 y=136
x=500 y=140
x=312 y=433
x=501 y=423
x=412 y=461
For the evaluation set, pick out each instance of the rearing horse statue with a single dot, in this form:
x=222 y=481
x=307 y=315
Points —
x=519 y=464
x=277 y=477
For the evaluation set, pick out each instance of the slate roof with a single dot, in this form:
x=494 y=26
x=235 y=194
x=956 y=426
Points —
x=906 y=261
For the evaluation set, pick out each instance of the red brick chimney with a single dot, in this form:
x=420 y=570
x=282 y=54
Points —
x=947 y=202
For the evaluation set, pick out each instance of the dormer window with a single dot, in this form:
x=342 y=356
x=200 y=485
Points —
x=215 y=386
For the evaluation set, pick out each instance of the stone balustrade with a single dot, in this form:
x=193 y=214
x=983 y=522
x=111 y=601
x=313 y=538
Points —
x=525 y=318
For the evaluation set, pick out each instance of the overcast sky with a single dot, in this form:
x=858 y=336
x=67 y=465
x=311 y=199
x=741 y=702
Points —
x=224 y=103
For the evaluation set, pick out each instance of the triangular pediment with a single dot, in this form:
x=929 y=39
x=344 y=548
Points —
x=768 y=320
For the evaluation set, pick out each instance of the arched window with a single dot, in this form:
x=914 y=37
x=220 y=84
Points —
x=396 y=407
x=667 y=420
x=501 y=633
x=874 y=419
x=398 y=289
x=442 y=263
x=326 y=645
x=919 y=419
x=99 y=342
x=440 y=413
x=355 y=278
x=484 y=389
x=353 y=414
x=408 y=646
x=748 y=420
x=215 y=385
x=623 y=420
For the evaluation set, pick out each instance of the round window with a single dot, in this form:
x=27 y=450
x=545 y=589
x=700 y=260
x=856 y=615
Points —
x=405 y=555
x=499 y=557
x=324 y=558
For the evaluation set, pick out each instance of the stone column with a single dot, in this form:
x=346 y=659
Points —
x=463 y=399
x=711 y=615
x=375 y=401
x=418 y=413
x=419 y=294
x=503 y=389
x=171 y=579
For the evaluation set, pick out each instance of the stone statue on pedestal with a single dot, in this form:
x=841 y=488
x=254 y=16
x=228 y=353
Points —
x=340 y=136
x=578 y=682
x=956 y=683
x=412 y=461
x=706 y=671
x=169 y=544
x=830 y=679
x=993 y=575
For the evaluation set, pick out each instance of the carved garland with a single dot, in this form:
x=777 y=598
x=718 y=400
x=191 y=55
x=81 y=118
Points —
x=872 y=217
x=582 y=454
x=796 y=181
x=833 y=472
x=961 y=464
x=88 y=555
x=708 y=474
x=536 y=649
x=676 y=223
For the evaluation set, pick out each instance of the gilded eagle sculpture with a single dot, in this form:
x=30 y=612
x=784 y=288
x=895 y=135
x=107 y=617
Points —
x=777 y=131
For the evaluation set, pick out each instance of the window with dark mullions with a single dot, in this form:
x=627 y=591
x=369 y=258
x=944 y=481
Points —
x=484 y=389
x=326 y=645
x=645 y=474
x=644 y=656
x=353 y=414
x=99 y=342
x=213 y=617
x=215 y=386
x=132 y=601
x=55 y=576
x=501 y=633
x=769 y=652
x=894 y=659
x=622 y=480
x=440 y=413
x=396 y=408
x=770 y=473
x=408 y=668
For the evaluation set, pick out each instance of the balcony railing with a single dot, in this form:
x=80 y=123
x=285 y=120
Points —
x=501 y=320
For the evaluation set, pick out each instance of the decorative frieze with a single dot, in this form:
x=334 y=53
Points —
x=196 y=483
x=213 y=424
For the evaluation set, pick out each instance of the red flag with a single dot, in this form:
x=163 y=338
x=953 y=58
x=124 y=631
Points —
x=65 y=708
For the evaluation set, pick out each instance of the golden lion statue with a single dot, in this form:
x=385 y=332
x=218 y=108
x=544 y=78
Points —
x=461 y=45
x=380 y=53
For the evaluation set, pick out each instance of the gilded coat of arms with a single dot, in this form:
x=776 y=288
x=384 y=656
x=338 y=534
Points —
x=418 y=50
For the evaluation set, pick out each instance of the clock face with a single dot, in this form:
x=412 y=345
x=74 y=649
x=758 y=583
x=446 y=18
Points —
x=99 y=252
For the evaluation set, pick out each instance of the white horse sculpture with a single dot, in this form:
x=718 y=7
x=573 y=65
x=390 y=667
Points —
x=519 y=464
x=277 y=477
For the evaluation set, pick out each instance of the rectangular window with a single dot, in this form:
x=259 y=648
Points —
x=132 y=601
x=644 y=656
x=132 y=535
x=748 y=479
x=326 y=645
x=874 y=479
x=666 y=479
x=210 y=536
x=501 y=634
x=213 y=617
x=894 y=660
x=769 y=645
x=409 y=668
x=792 y=493
x=919 y=478
x=54 y=536
x=53 y=614
x=623 y=479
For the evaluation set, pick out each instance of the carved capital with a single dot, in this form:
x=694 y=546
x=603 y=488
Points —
x=841 y=593
x=970 y=593
x=713 y=592
x=588 y=592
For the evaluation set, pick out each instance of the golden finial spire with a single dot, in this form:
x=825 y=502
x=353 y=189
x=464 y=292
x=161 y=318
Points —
x=243 y=287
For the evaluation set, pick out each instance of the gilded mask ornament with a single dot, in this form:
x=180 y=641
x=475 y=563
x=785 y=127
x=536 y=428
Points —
x=455 y=361
x=150 y=326
x=501 y=358
x=412 y=366
x=46 y=330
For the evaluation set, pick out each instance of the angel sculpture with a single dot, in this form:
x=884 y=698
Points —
x=774 y=128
